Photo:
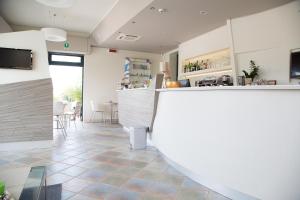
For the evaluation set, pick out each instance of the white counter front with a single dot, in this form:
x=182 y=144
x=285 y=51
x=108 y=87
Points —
x=235 y=140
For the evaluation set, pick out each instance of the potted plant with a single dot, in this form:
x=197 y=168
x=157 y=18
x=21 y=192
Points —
x=252 y=74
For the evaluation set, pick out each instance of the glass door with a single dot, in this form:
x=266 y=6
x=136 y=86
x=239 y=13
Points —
x=67 y=76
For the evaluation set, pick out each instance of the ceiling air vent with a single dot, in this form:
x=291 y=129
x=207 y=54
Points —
x=128 y=38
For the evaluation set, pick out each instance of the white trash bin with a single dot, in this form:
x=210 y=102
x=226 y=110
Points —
x=138 y=137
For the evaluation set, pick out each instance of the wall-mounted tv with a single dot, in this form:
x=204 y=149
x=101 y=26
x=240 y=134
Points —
x=295 y=64
x=15 y=58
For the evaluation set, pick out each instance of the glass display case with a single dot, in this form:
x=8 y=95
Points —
x=137 y=72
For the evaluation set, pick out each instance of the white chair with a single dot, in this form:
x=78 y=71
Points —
x=58 y=114
x=97 y=108
x=115 y=113
x=74 y=113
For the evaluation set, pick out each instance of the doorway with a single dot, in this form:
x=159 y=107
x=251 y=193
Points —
x=174 y=65
x=67 y=73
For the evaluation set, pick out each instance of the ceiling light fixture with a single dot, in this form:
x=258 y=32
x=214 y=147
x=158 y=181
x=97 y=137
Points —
x=203 y=12
x=162 y=10
x=54 y=34
x=57 y=3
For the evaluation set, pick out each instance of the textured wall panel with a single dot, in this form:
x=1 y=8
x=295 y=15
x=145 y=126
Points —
x=26 y=111
x=137 y=107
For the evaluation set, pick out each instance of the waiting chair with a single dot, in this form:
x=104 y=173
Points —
x=58 y=115
x=97 y=108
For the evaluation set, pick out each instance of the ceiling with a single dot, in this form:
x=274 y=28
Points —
x=103 y=20
x=82 y=17
x=183 y=21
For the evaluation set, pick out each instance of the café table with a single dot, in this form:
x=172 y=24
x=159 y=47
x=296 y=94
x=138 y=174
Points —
x=111 y=106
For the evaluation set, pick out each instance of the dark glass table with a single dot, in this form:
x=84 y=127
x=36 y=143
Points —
x=35 y=185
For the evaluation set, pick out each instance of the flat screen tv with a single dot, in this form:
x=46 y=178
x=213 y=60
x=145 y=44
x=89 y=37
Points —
x=15 y=58
x=295 y=64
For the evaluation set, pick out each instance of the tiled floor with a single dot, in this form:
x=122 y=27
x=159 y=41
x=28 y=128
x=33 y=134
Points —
x=95 y=163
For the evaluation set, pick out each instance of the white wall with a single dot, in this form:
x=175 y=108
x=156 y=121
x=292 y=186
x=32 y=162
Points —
x=33 y=40
x=103 y=71
x=209 y=42
x=78 y=44
x=212 y=41
x=268 y=38
x=4 y=27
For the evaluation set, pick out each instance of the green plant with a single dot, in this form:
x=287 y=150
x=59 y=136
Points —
x=254 y=69
x=73 y=94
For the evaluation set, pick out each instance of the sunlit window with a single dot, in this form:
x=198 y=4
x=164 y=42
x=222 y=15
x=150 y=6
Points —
x=62 y=58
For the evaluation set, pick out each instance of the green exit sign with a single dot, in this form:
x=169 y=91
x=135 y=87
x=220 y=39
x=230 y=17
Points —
x=66 y=45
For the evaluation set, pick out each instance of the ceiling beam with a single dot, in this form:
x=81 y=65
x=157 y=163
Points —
x=121 y=13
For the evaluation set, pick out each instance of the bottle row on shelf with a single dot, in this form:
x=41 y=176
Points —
x=206 y=64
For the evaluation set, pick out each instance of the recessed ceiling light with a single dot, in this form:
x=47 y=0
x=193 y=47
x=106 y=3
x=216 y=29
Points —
x=203 y=12
x=57 y=3
x=162 y=10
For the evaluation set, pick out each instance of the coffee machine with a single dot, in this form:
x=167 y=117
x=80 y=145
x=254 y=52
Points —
x=225 y=80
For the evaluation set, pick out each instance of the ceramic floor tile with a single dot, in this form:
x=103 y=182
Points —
x=129 y=171
x=138 y=164
x=150 y=175
x=28 y=160
x=67 y=194
x=58 y=167
x=101 y=158
x=72 y=161
x=87 y=155
x=58 y=178
x=75 y=185
x=162 y=189
x=73 y=171
x=111 y=153
x=115 y=179
x=190 y=184
x=215 y=196
x=108 y=167
x=95 y=162
x=57 y=157
x=190 y=194
x=172 y=171
x=82 y=197
x=122 y=195
x=72 y=153
x=88 y=164
x=149 y=196
x=94 y=175
x=137 y=185
x=161 y=177
x=99 y=190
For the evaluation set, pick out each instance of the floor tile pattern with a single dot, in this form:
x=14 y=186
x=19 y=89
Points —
x=94 y=162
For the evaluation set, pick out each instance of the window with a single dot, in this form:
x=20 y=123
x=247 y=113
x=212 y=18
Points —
x=76 y=60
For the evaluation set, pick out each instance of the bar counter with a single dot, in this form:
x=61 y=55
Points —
x=242 y=142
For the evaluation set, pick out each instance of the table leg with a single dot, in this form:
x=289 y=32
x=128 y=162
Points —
x=111 y=115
